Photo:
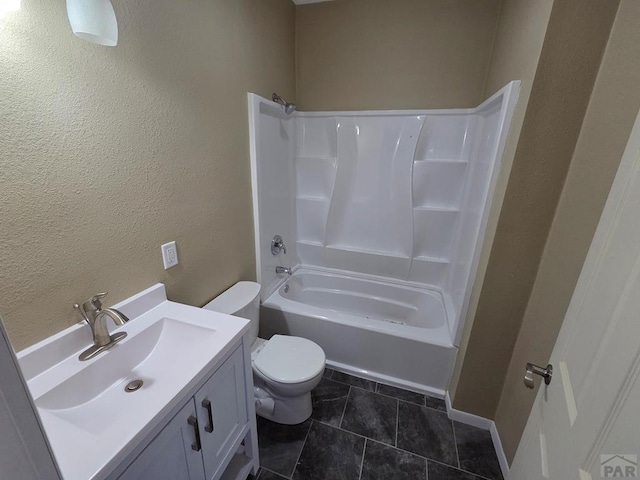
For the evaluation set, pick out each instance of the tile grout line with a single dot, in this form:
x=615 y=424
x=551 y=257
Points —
x=340 y=427
x=392 y=397
x=455 y=442
x=403 y=400
x=431 y=408
x=263 y=469
x=306 y=437
x=365 y=437
x=397 y=421
x=360 y=388
x=459 y=469
x=426 y=459
x=383 y=443
x=375 y=390
x=364 y=451
x=380 y=383
x=344 y=409
x=355 y=386
x=421 y=406
x=401 y=449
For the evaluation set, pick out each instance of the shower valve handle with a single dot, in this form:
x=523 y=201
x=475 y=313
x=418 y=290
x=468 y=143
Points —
x=277 y=245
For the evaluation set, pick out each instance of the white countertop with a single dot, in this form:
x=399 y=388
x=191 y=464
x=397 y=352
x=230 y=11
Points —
x=90 y=439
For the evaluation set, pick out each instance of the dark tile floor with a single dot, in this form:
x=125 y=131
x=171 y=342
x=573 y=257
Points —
x=363 y=430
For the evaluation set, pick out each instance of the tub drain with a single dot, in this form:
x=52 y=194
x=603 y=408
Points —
x=133 y=386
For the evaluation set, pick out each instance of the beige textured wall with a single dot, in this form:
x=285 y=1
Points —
x=607 y=124
x=576 y=37
x=377 y=54
x=522 y=27
x=107 y=153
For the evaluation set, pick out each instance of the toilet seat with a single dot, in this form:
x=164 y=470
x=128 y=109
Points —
x=287 y=359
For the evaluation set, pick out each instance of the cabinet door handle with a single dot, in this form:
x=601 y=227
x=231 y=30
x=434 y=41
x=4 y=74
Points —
x=207 y=404
x=193 y=421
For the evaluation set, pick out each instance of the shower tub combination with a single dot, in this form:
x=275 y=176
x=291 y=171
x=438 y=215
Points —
x=386 y=331
x=383 y=216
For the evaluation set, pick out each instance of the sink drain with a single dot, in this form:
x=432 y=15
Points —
x=133 y=386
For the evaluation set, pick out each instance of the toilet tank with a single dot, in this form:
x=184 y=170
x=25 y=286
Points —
x=241 y=300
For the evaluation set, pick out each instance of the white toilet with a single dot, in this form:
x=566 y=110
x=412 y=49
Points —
x=285 y=368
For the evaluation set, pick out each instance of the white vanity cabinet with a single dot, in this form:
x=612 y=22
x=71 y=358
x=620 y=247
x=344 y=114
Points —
x=173 y=454
x=210 y=438
x=222 y=413
x=191 y=417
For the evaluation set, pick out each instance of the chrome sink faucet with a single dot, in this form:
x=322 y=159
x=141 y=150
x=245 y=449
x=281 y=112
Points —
x=95 y=316
x=286 y=270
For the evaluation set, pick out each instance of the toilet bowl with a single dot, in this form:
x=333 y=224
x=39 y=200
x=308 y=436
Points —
x=285 y=368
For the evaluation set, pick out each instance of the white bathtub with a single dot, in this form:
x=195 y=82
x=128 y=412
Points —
x=385 y=331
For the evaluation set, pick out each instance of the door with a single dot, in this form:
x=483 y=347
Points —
x=175 y=454
x=222 y=413
x=586 y=423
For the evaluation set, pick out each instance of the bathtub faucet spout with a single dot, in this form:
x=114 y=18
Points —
x=286 y=270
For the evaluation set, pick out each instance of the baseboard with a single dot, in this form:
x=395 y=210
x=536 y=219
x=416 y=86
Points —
x=483 y=423
x=386 y=379
x=497 y=444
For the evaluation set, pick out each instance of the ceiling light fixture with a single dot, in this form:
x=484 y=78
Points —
x=7 y=6
x=94 y=21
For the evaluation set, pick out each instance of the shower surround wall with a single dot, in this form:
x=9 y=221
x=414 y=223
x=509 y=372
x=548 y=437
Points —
x=396 y=195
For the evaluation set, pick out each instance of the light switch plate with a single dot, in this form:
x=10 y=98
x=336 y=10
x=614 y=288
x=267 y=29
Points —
x=169 y=255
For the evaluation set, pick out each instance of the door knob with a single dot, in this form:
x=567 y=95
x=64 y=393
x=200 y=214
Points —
x=532 y=370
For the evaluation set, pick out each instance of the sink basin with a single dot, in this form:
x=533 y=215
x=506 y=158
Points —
x=92 y=397
x=91 y=422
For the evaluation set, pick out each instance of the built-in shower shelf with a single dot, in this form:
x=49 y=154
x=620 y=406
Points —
x=433 y=268
x=439 y=183
x=441 y=160
x=367 y=261
x=315 y=177
x=432 y=259
x=310 y=252
x=316 y=158
x=433 y=231
x=348 y=248
x=311 y=217
x=310 y=198
x=310 y=243
x=436 y=208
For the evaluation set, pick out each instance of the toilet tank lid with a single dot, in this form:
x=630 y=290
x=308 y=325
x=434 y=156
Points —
x=235 y=298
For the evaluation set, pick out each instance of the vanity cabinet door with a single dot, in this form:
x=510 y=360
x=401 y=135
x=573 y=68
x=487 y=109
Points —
x=175 y=454
x=222 y=412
